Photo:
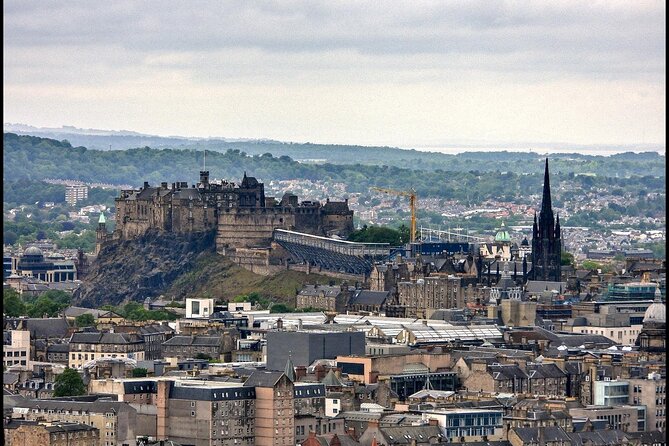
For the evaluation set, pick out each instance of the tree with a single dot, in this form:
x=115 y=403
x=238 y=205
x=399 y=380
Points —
x=84 y=320
x=45 y=306
x=280 y=308
x=590 y=265
x=12 y=303
x=566 y=258
x=139 y=372
x=69 y=383
x=201 y=355
x=9 y=237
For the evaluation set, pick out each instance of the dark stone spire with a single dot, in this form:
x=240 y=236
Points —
x=546 y=205
x=557 y=226
x=546 y=239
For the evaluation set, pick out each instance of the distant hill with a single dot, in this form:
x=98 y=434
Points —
x=105 y=140
x=473 y=177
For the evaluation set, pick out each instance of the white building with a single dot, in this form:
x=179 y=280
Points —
x=199 y=308
x=16 y=348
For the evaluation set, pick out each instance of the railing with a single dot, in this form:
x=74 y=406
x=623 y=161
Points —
x=356 y=249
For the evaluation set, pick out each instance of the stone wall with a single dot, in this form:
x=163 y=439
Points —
x=251 y=227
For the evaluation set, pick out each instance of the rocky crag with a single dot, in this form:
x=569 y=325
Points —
x=132 y=270
x=178 y=266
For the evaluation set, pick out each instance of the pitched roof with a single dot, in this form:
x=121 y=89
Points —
x=332 y=380
x=544 y=371
x=506 y=371
x=263 y=378
x=316 y=290
x=550 y=434
x=52 y=327
x=210 y=341
x=405 y=434
x=364 y=297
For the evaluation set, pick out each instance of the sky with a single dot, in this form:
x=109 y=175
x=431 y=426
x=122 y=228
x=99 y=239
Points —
x=412 y=74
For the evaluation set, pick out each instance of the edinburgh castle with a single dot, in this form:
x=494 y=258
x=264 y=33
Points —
x=242 y=216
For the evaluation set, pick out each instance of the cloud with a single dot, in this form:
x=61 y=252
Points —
x=144 y=52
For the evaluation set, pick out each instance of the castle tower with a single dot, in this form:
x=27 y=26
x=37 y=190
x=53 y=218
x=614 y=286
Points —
x=546 y=239
x=100 y=233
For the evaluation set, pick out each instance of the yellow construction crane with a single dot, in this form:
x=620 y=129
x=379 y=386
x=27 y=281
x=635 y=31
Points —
x=412 y=201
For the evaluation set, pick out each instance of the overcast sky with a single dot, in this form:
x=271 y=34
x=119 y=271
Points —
x=408 y=74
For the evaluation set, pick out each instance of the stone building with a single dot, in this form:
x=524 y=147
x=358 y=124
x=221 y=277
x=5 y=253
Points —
x=323 y=297
x=365 y=301
x=242 y=216
x=114 y=420
x=385 y=276
x=51 y=268
x=215 y=347
x=546 y=379
x=653 y=335
x=262 y=410
x=86 y=347
x=21 y=432
x=496 y=378
x=421 y=297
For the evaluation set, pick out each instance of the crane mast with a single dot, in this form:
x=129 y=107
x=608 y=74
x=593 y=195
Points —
x=412 y=203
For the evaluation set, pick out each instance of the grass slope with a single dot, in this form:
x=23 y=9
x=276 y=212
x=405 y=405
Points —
x=217 y=277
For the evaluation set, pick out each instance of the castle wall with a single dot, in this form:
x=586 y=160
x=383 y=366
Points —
x=308 y=219
x=338 y=224
x=192 y=216
x=251 y=227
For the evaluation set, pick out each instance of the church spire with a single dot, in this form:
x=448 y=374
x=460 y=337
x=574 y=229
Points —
x=546 y=206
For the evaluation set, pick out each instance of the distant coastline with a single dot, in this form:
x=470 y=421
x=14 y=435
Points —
x=447 y=149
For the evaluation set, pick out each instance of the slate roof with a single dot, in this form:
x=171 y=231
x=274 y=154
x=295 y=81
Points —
x=10 y=378
x=506 y=371
x=316 y=290
x=52 y=327
x=598 y=437
x=263 y=378
x=209 y=341
x=538 y=286
x=97 y=406
x=331 y=380
x=104 y=338
x=365 y=297
x=551 y=433
x=541 y=371
x=155 y=328
x=58 y=348
x=405 y=434
x=78 y=311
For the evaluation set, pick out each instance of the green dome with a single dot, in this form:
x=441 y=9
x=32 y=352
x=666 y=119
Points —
x=502 y=235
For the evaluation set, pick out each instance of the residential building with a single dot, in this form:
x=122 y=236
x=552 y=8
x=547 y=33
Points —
x=20 y=433
x=16 y=348
x=214 y=347
x=86 y=346
x=75 y=193
x=468 y=425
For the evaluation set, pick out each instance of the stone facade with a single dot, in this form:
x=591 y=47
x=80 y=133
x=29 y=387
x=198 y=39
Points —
x=50 y=434
x=420 y=298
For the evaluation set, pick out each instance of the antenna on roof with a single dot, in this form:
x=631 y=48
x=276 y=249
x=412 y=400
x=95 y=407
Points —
x=204 y=163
